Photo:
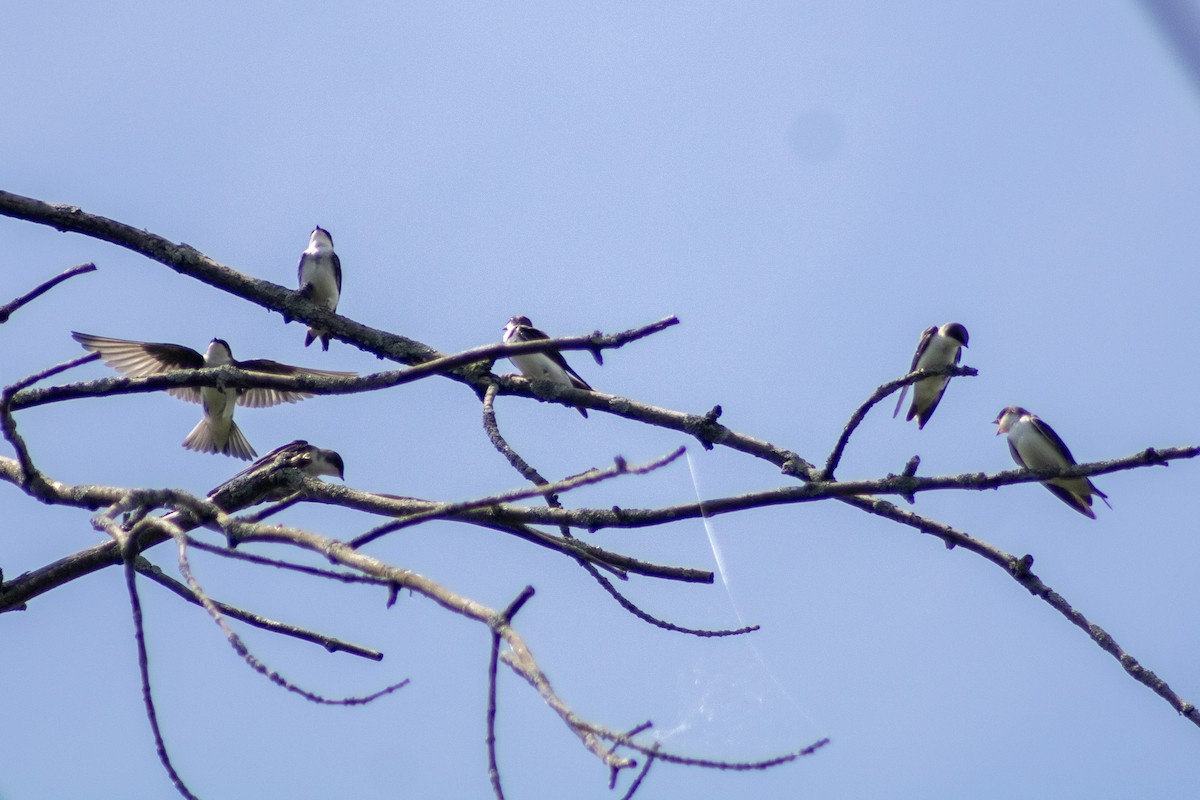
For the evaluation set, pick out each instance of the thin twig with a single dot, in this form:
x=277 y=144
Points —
x=328 y=642
x=7 y=310
x=135 y=604
x=626 y=740
x=591 y=476
x=236 y=642
x=835 y=456
x=493 y=519
x=641 y=776
x=505 y=619
x=239 y=555
x=490 y=426
x=518 y=655
x=32 y=480
x=629 y=606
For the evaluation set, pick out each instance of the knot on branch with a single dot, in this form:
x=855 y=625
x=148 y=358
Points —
x=705 y=428
x=1021 y=566
x=904 y=480
x=1152 y=456
x=598 y=339
x=795 y=467
x=618 y=518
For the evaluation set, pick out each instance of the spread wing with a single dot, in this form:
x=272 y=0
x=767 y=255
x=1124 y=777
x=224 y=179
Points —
x=262 y=397
x=140 y=359
x=921 y=345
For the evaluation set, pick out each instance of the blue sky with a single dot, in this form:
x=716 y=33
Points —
x=807 y=186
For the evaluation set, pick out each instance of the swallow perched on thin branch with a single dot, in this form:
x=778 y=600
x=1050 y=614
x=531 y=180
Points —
x=1035 y=445
x=320 y=274
x=939 y=347
x=216 y=432
x=547 y=366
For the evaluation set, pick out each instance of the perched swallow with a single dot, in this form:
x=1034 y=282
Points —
x=548 y=366
x=216 y=432
x=299 y=454
x=939 y=347
x=320 y=274
x=1035 y=445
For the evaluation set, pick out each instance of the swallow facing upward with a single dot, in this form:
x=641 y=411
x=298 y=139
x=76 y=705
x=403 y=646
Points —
x=1035 y=445
x=320 y=274
x=548 y=366
x=939 y=347
x=216 y=432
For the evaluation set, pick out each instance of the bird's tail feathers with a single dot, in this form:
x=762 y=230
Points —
x=201 y=440
x=313 y=334
x=238 y=446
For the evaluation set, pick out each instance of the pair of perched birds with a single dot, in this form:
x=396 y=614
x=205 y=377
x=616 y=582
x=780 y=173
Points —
x=1033 y=443
x=320 y=276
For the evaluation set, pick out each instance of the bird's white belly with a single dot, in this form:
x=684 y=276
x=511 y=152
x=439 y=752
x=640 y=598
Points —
x=538 y=367
x=218 y=409
x=325 y=290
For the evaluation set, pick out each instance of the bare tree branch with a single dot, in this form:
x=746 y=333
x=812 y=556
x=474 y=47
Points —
x=629 y=606
x=835 y=456
x=135 y=604
x=328 y=642
x=7 y=309
x=506 y=617
x=451 y=510
x=236 y=642
x=498 y=512
x=641 y=776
